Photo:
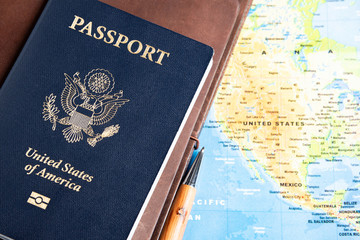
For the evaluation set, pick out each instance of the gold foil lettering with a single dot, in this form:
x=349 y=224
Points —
x=100 y=30
x=50 y=176
x=138 y=49
x=122 y=39
x=88 y=28
x=162 y=54
x=67 y=168
x=58 y=179
x=78 y=21
x=90 y=178
x=149 y=50
x=109 y=36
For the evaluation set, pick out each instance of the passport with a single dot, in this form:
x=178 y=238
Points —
x=89 y=115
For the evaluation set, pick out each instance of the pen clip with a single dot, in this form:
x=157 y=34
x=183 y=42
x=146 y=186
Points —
x=197 y=142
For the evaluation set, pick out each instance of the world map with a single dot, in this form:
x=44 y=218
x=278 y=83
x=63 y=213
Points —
x=282 y=139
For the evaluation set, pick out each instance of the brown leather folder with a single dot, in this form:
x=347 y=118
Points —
x=214 y=22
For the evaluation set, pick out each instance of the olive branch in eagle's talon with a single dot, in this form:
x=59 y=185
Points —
x=50 y=111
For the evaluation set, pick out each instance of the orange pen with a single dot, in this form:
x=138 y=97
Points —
x=178 y=216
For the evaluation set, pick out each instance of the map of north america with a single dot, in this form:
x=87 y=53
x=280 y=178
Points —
x=287 y=111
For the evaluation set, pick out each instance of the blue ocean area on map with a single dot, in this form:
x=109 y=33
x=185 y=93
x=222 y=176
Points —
x=341 y=28
x=325 y=176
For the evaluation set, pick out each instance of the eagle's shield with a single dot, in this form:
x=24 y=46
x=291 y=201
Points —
x=81 y=117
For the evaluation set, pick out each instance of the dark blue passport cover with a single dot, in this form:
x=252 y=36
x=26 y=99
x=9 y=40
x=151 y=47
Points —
x=88 y=117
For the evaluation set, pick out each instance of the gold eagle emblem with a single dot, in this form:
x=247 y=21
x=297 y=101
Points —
x=87 y=104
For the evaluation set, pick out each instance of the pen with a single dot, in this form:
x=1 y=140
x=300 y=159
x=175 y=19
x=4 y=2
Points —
x=175 y=224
